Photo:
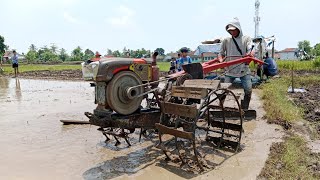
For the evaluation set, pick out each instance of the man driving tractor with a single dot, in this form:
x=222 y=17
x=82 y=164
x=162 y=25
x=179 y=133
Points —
x=237 y=46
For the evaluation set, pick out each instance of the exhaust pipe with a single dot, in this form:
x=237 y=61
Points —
x=154 y=58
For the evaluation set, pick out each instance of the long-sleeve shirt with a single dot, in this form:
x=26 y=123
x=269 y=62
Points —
x=228 y=48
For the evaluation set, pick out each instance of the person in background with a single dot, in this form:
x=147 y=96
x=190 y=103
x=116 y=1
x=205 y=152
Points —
x=270 y=68
x=241 y=45
x=179 y=56
x=15 y=63
x=184 y=59
x=98 y=55
x=172 y=66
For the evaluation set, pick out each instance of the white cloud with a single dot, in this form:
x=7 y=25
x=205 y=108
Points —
x=69 y=18
x=125 y=17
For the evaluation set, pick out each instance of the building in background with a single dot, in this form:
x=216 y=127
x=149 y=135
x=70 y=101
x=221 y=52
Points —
x=288 y=54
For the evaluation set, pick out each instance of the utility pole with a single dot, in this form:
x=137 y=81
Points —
x=256 y=18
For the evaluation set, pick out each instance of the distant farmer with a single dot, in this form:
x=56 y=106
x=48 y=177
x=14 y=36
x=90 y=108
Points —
x=184 y=59
x=237 y=45
x=15 y=63
x=172 y=65
x=270 y=68
x=98 y=55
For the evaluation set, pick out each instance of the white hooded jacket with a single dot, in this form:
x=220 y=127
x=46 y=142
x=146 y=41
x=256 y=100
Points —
x=228 y=48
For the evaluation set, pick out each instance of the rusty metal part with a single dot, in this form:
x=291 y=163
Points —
x=180 y=80
x=247 y=115
x=177 y=133
x=225 y=123
x=144 y=119
x=116 y=133
x=117 y=96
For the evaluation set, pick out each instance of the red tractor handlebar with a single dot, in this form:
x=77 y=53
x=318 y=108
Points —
x=215 y=64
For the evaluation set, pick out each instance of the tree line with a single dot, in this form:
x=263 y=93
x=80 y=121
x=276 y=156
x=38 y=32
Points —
x=305 y=46
x=54 y=54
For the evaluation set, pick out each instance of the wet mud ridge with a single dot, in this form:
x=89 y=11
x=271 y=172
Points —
x=47 y=74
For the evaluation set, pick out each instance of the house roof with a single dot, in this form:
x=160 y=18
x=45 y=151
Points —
x=289 y=50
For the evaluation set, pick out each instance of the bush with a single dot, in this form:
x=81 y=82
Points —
x=316 y=62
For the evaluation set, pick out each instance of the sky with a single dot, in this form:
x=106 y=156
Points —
x=170 y=24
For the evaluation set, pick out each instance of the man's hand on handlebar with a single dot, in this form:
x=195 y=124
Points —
x=221 y=58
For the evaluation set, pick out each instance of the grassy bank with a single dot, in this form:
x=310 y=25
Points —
x=291 y=159
x=279 y=109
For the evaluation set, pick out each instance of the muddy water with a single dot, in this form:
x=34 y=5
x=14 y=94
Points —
x=35 y=145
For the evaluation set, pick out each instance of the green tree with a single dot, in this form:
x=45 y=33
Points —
x=77 y=54
x=160 y=51
x=116 y=53
x=63 y=55
x=2 y=45
x=305 y=45
x=109 y=52
x=45 y=54
x=316 y=50
x=31 y=56
x=53 y=48
x=88 y=54
x=32 y=47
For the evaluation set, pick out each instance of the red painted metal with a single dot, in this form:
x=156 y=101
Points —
x=215 y=64
x=120 y=69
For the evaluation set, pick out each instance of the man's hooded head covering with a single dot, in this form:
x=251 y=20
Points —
x=234 y=24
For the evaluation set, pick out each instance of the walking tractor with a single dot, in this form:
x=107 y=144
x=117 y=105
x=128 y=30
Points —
x=184 y=106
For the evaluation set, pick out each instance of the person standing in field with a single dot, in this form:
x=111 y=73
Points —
x=15 y=63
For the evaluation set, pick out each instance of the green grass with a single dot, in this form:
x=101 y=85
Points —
x=290 y=160
x=279 y=109
x=164 y=66
x=39 y=67
x=299 y=65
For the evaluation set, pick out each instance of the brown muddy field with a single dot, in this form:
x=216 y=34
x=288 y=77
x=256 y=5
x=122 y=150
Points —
x=75 y=75
x=310 y=101
x=35 y=145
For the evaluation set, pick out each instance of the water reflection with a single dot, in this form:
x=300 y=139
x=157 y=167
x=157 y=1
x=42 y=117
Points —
x=18 y=90
x=4 y=87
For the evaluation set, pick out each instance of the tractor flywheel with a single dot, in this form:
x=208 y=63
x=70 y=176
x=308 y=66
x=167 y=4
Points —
x=117 y=92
